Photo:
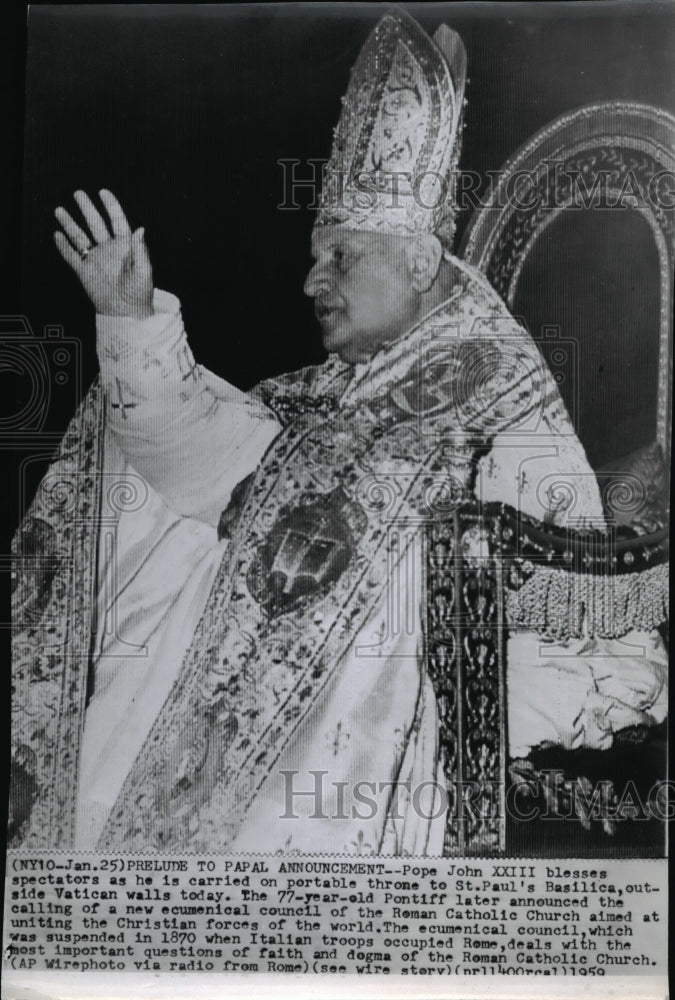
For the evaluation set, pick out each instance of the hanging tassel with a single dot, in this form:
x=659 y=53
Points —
x=559 y=604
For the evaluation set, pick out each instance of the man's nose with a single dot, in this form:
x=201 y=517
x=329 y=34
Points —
x=317 y=280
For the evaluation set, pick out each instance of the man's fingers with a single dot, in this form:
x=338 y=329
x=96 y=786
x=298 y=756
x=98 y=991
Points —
x=77 y=236
x=118 y=219
x=70 y=256
x=140 y=251
x=98 y=228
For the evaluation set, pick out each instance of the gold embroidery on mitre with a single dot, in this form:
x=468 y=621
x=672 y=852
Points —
x=397 y=142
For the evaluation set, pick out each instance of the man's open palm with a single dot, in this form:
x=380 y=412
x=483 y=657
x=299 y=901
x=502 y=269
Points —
x=111 y=261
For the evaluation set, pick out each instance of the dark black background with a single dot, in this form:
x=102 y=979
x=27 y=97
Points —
x=184 y=113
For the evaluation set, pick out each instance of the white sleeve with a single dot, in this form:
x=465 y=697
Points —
x=190 y=434
x=579 y=693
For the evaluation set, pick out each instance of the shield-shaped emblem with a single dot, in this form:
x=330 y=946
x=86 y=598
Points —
x=306 y=551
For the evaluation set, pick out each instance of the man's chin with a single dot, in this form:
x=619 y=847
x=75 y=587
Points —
x=339 y=339
x=333 y=337
x=348 y=349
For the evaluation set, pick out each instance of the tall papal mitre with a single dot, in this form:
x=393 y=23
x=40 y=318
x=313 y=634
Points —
x=397 y=142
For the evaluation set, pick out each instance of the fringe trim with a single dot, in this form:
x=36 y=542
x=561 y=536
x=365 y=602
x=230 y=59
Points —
x=560 y=604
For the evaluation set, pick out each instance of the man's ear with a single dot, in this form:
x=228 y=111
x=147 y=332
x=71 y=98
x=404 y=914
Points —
x=423 y=253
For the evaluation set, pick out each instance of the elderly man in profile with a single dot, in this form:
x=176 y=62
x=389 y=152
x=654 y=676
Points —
x=272 y=575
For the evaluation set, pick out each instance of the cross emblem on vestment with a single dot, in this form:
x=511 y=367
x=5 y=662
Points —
x=120 y=404
x=186 y=365
x=337 y=739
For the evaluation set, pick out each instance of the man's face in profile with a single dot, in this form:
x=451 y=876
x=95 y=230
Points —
x=360 y=283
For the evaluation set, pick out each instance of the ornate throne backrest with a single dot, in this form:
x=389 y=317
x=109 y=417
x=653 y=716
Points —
x=577 y=235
